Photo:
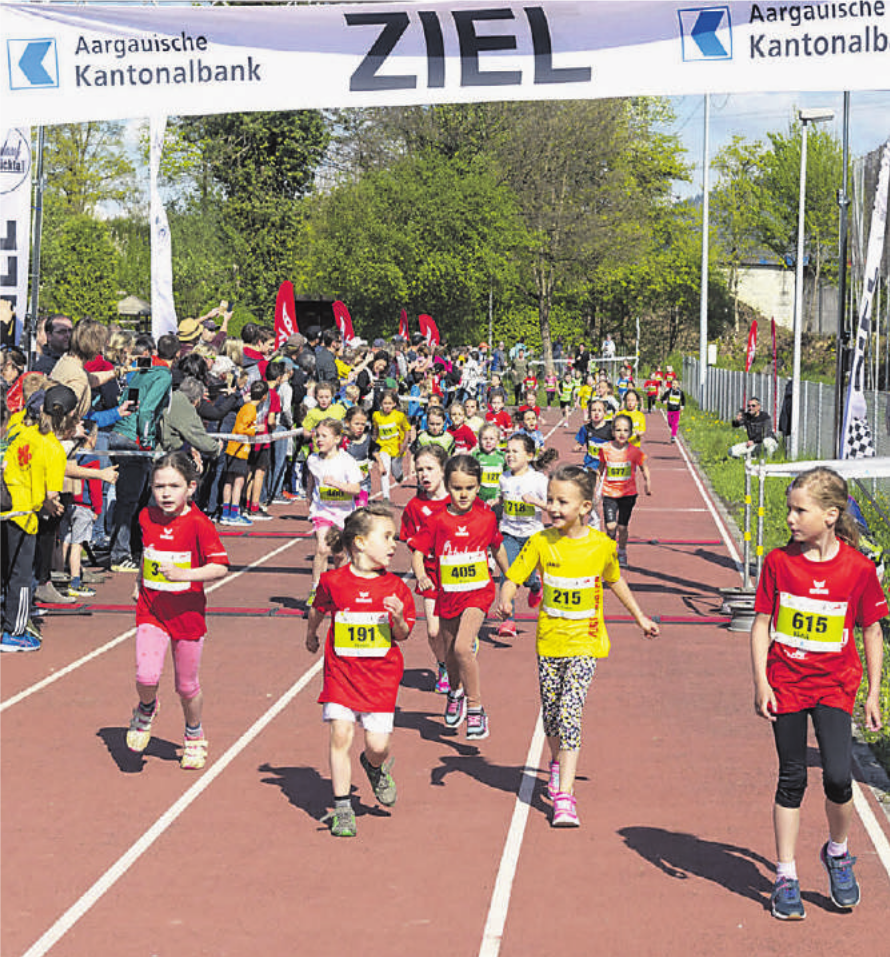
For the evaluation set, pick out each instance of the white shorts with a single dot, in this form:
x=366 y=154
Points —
x=379 y=722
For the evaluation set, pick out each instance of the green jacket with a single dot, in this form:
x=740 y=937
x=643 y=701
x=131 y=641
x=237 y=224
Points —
x=154 y=386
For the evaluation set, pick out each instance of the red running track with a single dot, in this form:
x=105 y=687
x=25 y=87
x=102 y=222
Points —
x=107 y=854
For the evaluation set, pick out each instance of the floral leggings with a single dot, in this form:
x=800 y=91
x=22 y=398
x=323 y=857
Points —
x=564 y=683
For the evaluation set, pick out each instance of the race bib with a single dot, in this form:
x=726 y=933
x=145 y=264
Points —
x=810 y=624
x=364 y=468
x=593 y=449
x=518 y=509
x=153 y=558
x=618 y=472
x=328 y=494
x=387 y=432
x=362 y=634
x=491 y=477
x=571 y=597
x=464 y=571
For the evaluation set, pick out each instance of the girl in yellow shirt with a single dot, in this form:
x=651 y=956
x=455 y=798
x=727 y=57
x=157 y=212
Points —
x=574 y=561
x=390 y=430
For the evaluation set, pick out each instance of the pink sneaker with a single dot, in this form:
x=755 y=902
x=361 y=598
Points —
x=553 y=783
x=442 y=684
x=565 y=812
x=535 y=596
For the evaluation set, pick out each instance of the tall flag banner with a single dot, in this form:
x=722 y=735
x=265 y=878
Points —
x=775 y=374
x=15 y=223
x=285 y=313
x=750 y=352
x=429 y=329
x=403 y=324
x=856 y=438
x=163 y=312
x=343 y=320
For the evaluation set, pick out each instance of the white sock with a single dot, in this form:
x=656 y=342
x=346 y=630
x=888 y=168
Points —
x=786 y=869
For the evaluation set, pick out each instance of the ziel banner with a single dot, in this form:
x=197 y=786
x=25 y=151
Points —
x=68 y=63
x=15 y=221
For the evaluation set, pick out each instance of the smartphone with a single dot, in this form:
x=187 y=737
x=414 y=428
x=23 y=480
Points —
x=143 y=362
x=133 y=397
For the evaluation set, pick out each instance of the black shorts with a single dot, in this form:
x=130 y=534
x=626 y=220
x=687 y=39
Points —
x=260 y=459
x=235 y=466
x=618 y=510
x=565 y=403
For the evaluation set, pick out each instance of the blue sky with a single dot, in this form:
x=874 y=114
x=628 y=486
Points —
x=753 y=115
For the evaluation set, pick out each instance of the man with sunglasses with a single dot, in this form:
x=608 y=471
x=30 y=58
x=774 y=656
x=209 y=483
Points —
x=759 y=427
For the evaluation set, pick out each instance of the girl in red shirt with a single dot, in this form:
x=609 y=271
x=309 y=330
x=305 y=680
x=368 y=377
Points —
x=181 y=551
x=461 y=536
x=429 y=465
x=371 y=610
x=619 y=461
x=811 y=595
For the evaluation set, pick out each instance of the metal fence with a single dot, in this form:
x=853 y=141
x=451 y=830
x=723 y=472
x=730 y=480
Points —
x=724 y=393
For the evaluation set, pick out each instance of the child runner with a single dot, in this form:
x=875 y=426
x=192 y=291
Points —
x=492 y=460
x=585 y=393
x=567 y=396
x=528 y=425
x=523 y=490
x=80 y=516
x=460 y=536
x=674 y=402
x=181 y=551
x=551 y=383
x=429 y=465
x=812 y=593
x=498 y=415
x=619 y=460
x=391 y=431
x=591 y=436
x=651 y=386
x=474 y=420
x=334 y=482
x=462 y=433
x=371 y=610
x=237 y=454
x=361 y=447
x=575 y=560
x=637 y=416
x=434 y=433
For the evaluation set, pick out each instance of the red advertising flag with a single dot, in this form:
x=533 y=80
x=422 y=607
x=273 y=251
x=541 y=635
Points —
x=429 y=329
x=752 y=346
x=343 y=320
x=285 y=313
x=775 y=374
x=403 y=324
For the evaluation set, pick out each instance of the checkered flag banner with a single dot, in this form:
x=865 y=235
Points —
x=857 y=438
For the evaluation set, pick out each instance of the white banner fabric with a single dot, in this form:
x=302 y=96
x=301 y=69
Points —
x=70 y=63
x=15 y=222
x=857 y=441
x=163 y=311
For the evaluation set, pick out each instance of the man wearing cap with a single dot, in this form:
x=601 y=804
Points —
x=214 y=335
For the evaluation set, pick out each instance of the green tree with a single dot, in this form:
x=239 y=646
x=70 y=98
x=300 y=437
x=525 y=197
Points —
x=79 y=272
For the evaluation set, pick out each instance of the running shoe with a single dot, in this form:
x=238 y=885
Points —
x=455 y=709
x=194 y=754
x=477 y=725
x=260 y=517
x=786 y=901
x=80 y=591
x=842 y=884
x=139 y=732
x=507 y=629
x=225 y=520
x=535 y=596
x=342 y=821
x=32 y=628
x=125 y=565
x=48 y=594
x=565 y=811
x=553 y=782
x=240 y=521
x=381 y=780
x=25 y=642
x=292 y=497
x=443 y=686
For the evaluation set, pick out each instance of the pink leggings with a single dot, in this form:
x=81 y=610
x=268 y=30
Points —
x=674 y=422
x=151 y=648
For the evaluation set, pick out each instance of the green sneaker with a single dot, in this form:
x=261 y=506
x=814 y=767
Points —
x=342 y=821
x=381 y=780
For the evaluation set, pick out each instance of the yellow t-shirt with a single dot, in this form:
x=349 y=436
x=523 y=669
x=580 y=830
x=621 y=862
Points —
x=315 y=415
x=639 y=420
x=584 y=394
x=392 y=430
x=33 y=465
x=571 y=621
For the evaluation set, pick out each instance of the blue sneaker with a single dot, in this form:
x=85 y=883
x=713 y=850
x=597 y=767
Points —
x=23 y=642
x=240 y=521
x=786 y=901
x=842 y=884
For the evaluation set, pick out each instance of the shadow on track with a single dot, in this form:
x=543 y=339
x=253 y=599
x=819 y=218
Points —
x=129 y=762
x=307 y=790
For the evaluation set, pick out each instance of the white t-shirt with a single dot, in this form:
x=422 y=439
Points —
x=521 y=519
x=327 y=502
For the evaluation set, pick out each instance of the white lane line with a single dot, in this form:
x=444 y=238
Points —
x=56 y=675
x=126 y=861
x=863 y=808
x=500 y=897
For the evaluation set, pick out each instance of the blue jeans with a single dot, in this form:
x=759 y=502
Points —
x=275 y=479
x=513 y=546
x=132 y=492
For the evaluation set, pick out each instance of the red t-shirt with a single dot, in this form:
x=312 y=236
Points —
x=461 y=544
x=189 y=540
x=362 y=667
x=813 y=607
x=502 y=419
x=464 y=439
x=417 y=513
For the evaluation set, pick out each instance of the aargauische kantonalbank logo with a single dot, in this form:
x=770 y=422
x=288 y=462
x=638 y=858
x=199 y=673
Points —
x=706 y=33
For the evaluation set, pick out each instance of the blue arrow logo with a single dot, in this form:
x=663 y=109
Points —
x=31 y=63
x=705 y=33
